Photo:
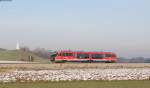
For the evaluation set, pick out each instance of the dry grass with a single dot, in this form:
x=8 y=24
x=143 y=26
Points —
x=7 y=70
x=73 y=66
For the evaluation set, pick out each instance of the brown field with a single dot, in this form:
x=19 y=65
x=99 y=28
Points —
x=72 y=66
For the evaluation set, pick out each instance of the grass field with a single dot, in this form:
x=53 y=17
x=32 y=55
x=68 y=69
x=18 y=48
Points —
x=11 y=55
x=14 y=55
x=80 y=84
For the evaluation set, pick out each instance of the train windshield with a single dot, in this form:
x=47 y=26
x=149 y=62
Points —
x=108 y=55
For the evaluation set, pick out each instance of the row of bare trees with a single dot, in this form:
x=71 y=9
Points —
x=28 y=55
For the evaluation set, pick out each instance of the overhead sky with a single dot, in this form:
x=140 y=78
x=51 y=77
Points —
x=121 y=26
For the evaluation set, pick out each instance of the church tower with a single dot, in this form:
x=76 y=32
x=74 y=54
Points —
x=17 y=46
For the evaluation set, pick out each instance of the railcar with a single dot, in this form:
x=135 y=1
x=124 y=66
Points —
x=82 y=56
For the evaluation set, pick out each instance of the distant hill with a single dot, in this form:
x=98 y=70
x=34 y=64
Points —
x=14 y=55
x=134 y=60
x=1 y=49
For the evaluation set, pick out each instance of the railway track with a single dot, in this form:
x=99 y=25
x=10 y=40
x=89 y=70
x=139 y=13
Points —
x=16 y=62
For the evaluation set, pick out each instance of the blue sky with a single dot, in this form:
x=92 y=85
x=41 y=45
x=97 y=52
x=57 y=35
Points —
x=121 y=26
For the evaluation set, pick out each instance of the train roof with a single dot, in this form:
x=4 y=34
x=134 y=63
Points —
x=69 y=51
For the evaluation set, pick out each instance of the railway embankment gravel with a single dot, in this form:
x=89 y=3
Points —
x=76 y=74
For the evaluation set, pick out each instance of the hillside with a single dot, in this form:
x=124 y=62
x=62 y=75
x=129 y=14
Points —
x=14 y=55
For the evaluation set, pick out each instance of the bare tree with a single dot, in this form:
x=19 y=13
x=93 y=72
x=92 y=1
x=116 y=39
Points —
x=41 y=52
x=24 y=53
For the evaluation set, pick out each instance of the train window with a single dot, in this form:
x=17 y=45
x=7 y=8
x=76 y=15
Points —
x=108 y=55
x=67 y=54
x=82 y=56
x=97 y=56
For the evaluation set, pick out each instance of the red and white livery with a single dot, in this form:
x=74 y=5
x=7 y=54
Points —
x=82 y=56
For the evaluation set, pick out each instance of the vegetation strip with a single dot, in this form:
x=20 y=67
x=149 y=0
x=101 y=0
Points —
x=80 y=84
x=57 y=66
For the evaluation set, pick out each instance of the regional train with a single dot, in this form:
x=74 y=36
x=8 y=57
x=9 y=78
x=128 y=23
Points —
x=82 y=56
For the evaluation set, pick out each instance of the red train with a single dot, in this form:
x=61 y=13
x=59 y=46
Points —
x=82 y=56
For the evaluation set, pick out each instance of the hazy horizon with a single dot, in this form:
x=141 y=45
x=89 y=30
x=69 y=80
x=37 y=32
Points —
x=120 y=26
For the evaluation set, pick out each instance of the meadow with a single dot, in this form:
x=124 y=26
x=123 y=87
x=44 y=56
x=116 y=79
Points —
x=15 y=55
x=79 y=84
